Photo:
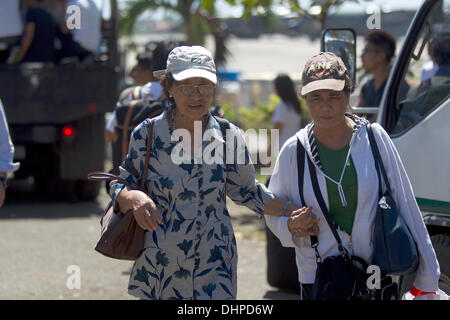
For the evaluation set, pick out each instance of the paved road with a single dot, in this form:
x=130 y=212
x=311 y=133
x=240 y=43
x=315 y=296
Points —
x=41 y=241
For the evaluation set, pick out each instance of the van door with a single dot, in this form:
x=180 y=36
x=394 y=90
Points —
x=419 y=124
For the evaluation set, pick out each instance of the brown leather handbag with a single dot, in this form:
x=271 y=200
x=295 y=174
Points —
x=121 y=236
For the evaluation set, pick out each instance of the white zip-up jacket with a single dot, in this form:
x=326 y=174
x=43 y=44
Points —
x=284 y=184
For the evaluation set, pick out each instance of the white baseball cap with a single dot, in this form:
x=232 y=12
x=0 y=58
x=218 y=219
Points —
x=190 y=62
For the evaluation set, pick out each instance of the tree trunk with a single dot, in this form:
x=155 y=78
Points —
x=188 y=29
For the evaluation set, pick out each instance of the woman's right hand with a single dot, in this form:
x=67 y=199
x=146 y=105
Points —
x=144 y=209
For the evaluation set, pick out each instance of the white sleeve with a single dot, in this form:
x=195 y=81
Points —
x=281 y=113
x=278 y=186
x=110 y=126
x=428 y=272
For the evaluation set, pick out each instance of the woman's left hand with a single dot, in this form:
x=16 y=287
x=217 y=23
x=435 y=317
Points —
x=313 y=231
x=303 y=223
x=303 y=218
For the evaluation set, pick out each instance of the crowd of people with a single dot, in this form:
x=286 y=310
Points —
x=37 y=31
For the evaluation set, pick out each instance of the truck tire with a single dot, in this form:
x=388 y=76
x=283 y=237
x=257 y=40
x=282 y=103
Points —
x=441 y=244
x=45 y=169
x=281 y=267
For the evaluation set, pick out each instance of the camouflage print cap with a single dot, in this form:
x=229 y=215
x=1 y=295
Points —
x=323 y=71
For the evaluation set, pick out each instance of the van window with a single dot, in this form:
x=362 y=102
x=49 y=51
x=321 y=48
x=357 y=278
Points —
x=428 y=70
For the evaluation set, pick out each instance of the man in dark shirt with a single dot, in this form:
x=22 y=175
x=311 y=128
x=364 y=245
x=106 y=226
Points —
x=39 y=35
x=376 y=59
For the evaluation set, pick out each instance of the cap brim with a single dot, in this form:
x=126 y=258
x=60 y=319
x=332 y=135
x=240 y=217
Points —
x=195 y=73
x=330 y=84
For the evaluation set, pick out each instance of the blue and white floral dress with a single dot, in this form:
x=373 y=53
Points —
x=192 y=254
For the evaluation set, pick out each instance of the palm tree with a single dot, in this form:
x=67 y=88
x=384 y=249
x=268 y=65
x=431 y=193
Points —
x=197 y=15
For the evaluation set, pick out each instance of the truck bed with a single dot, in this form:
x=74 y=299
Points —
x=38 y=93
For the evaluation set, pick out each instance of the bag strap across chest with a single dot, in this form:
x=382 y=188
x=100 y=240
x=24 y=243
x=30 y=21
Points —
x=224 y=125
x=106 y=176
x=381 y=171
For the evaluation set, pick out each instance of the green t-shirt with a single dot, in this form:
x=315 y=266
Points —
x=333 y=164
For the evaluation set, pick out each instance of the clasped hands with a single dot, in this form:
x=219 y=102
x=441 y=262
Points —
x=302 y=222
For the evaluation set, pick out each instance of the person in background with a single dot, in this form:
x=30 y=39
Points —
x=142 y=72
x=287 y=117
x=149 y=88
x=376 y=59
x=440 y=51
x=39 y=35
x=10 y=27
x=6 y=154
x=79 y=42
x=429 y=68
x=426 y=95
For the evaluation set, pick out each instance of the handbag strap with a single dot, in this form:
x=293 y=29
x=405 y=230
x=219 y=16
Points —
x=378 y=161
x=106 y=176
x=301 y=152
x=320 y=200
x=126 y=124
x=147 y=155
x=301 y=169
x=224 y=125
x=323 y=207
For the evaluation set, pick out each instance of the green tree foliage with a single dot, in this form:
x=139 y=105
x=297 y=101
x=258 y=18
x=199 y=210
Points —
x=322 y=12
x=199 y=16
x=198 y=19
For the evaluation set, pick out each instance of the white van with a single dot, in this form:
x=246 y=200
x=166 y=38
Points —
x=420 y=124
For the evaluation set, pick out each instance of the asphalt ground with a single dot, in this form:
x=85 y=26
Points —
x=46 y=245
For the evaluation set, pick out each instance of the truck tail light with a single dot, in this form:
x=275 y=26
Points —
x=68 y=132
x=92 y=108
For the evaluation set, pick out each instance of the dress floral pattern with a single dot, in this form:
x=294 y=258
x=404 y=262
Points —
x=192 y=254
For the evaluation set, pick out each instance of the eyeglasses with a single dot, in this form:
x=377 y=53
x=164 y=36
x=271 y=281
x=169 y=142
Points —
x=188 y=89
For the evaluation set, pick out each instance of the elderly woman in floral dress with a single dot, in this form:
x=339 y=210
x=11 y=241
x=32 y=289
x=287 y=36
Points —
x=190 y=247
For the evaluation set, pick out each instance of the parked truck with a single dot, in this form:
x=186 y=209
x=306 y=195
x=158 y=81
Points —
x=56 y=115
x=418 y=125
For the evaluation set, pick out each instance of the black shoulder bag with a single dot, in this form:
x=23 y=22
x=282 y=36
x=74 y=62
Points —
x=337 y=277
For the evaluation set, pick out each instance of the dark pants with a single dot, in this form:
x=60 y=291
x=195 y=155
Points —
x=69 y=47
x=305 y=290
